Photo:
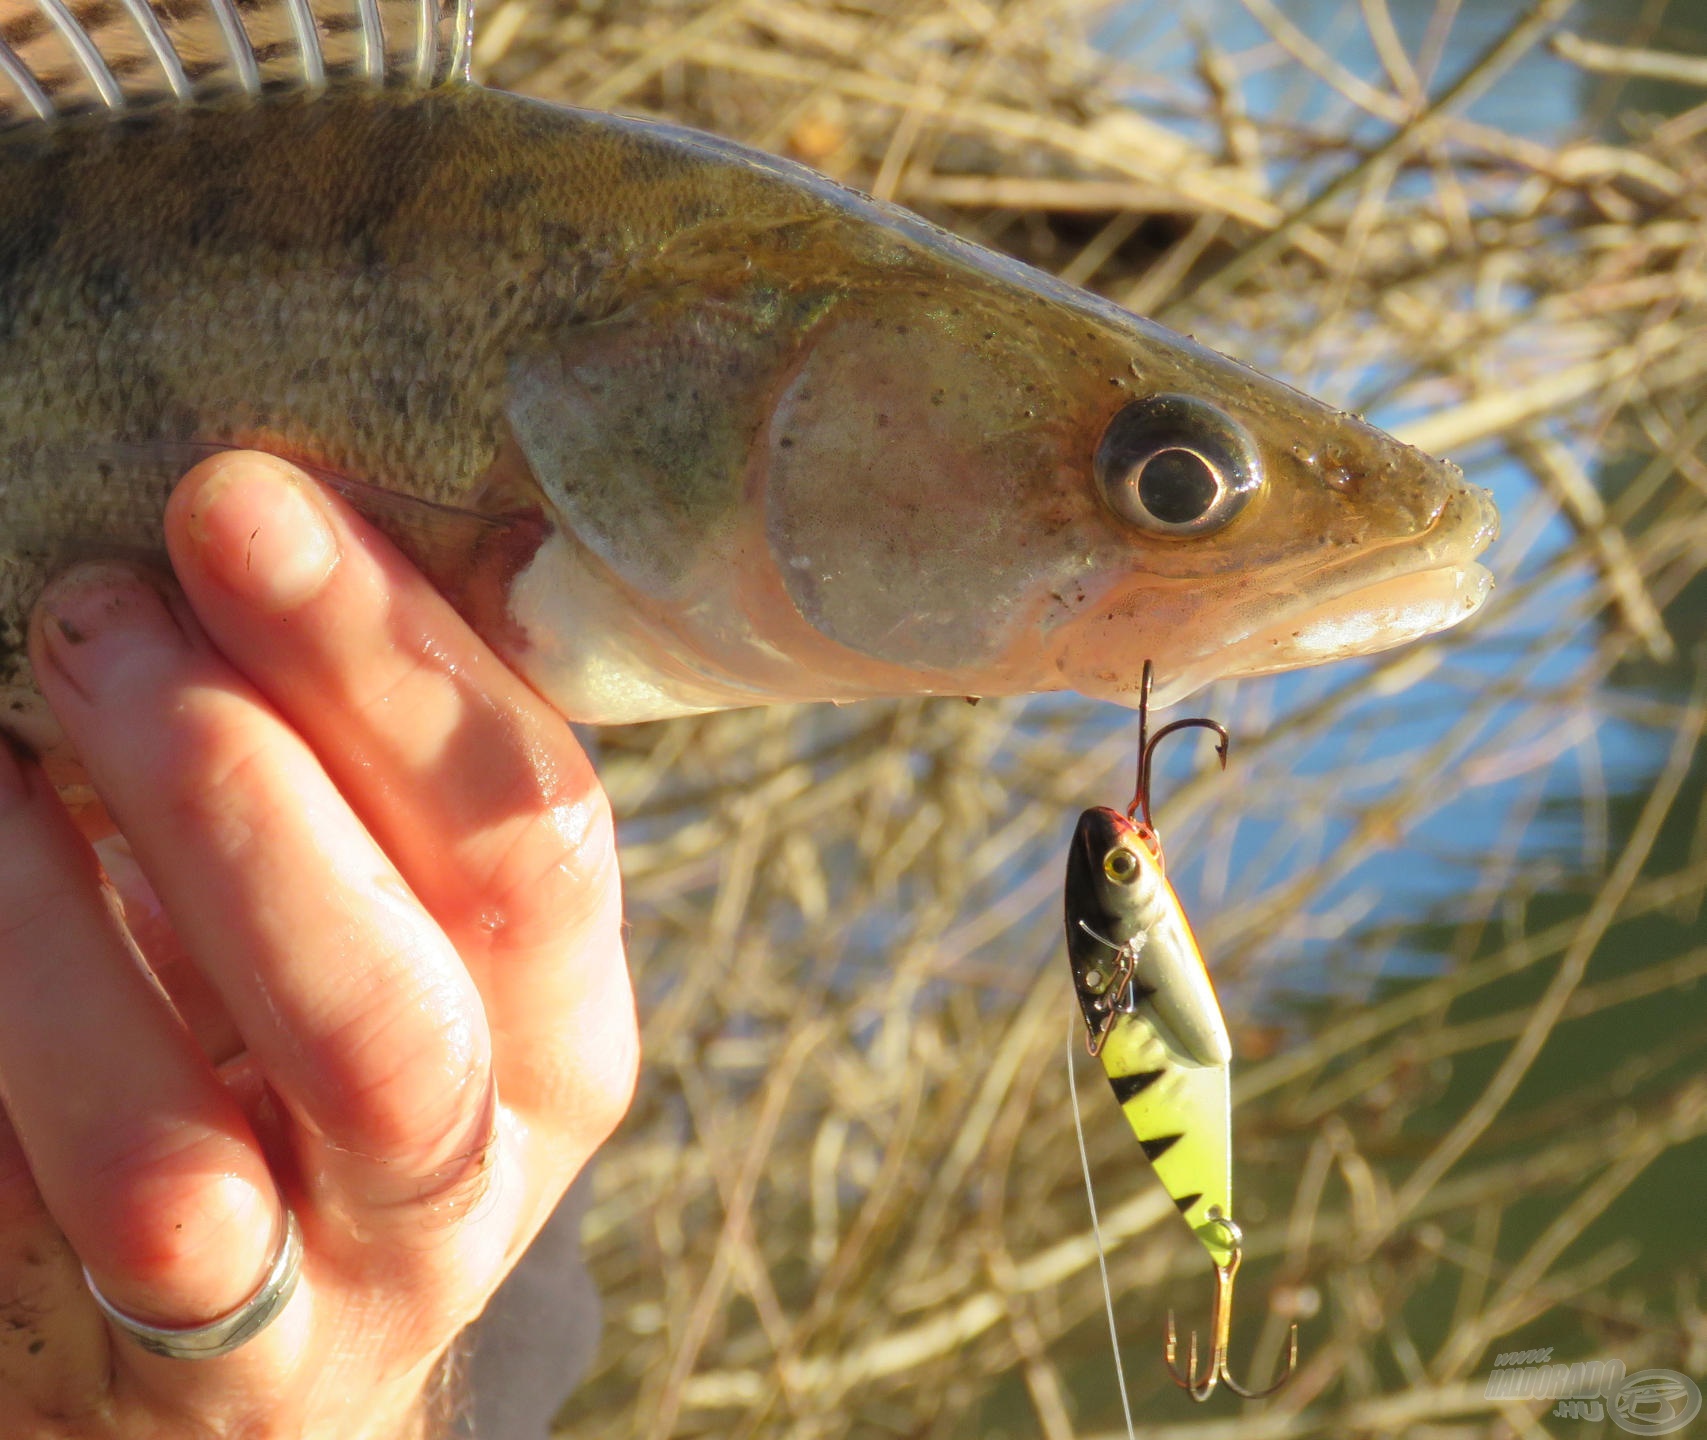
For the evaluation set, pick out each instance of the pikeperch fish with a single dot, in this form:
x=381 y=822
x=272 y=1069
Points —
x=677 y=425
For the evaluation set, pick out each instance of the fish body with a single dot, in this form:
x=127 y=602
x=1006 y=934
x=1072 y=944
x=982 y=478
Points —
x=677 y=425
x=1152 y=1016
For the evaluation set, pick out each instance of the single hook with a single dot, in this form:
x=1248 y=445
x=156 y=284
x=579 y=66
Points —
x=1147 y=744
x=1221 y=1330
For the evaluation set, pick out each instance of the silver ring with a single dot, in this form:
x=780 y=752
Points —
x=231 y=1330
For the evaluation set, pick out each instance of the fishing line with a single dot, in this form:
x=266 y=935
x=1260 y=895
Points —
x=1096 y=1229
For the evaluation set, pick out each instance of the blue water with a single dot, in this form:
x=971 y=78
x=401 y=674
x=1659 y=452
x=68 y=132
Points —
x=1539 y=97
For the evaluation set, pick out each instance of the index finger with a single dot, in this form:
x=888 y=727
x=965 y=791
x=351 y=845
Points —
x=473 y=786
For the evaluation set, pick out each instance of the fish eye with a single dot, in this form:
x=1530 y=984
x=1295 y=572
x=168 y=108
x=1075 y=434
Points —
x=1176 y=466
x=1120 y=865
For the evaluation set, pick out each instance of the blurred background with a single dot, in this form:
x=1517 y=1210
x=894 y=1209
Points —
x=1451 y=897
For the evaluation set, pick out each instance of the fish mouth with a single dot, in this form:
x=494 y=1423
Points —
x=1365 y=619
x=1403 y=592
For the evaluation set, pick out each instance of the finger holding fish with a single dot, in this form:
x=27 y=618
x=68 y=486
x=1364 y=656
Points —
x=345 y=1004
x=484 y=800
x=377 y=1031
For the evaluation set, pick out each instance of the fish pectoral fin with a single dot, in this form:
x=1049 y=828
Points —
x=469 y=552
x=639 y=428
x=57 y=61
x=131 y=480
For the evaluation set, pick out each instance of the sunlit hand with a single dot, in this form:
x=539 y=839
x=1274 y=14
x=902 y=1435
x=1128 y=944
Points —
x=381 y=894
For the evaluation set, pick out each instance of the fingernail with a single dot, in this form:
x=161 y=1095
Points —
x=95 y=615
x=262 y=533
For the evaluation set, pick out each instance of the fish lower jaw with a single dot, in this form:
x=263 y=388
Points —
x=1364 y=621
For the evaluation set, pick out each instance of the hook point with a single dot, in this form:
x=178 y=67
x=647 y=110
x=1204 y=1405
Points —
x=1221 y=1327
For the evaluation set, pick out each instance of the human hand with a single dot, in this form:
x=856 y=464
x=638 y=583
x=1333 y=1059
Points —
x=381 y=894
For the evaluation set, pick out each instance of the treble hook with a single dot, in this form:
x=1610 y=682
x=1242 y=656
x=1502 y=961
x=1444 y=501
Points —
x=1221 y=1329
x=1147 y=744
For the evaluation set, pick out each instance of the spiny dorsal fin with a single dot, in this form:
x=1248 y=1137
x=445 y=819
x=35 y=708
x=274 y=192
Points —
x=70 y=57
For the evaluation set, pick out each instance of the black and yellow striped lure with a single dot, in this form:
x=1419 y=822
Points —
x=1152 y=1018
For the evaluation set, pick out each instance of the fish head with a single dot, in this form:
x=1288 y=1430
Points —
x=825 y=451
x=1241 y=527
x=980 y=473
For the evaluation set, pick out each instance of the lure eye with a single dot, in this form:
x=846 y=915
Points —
x=1120 y=865
x=1173 y=465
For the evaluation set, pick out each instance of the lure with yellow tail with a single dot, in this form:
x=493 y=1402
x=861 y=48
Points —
x=1151 y=1016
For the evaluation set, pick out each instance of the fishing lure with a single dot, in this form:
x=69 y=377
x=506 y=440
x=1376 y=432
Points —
x=1152 y=1018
